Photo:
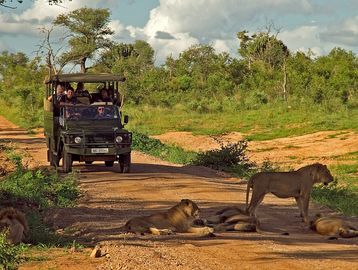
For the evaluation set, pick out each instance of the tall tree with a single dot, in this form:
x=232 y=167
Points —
x=262 y=46
x=89 y=33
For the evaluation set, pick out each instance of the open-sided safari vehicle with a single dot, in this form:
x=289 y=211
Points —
x=90 y=130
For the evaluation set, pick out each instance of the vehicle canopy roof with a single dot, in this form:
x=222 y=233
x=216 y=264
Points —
x=85 y=78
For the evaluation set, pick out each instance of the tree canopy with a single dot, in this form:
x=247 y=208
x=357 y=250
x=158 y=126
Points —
x=89 y=32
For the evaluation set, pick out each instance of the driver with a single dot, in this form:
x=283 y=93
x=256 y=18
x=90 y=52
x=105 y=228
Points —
x=102 y=113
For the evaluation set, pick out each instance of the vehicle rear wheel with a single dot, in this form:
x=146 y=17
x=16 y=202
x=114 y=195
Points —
x=109 y=163
x=88 y=162
x=66 y=161
x=125 y=163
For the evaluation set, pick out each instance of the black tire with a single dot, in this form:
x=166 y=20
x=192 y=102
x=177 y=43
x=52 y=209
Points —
x=109 y=163
x=125 y=163
x=66 y=161
x=88 y=162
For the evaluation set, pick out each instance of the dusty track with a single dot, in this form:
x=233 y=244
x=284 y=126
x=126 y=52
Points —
x=111 y=198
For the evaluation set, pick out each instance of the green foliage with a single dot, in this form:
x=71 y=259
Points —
x=343 y=199
x=10 y=255
x=229 y=157
x=40 y=234
x=263 y=47
x=156 y=148
x=263 y=123
x=39 y=187
x=21 y=87
x=89 y=33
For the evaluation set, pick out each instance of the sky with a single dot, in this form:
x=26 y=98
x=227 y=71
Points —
x=171 y=26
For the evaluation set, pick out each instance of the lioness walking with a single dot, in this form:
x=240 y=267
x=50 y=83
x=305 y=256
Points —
x=297 y=184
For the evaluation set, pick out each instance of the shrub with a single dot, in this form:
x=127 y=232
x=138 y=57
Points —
x=9 y=254
x=39 y=187
x=230 y=157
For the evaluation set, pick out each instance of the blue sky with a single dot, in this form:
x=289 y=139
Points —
x=171 y=26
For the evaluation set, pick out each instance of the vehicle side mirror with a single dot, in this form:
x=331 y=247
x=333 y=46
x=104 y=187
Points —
x=126 y=119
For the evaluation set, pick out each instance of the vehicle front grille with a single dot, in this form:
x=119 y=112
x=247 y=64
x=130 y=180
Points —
x=99 y=138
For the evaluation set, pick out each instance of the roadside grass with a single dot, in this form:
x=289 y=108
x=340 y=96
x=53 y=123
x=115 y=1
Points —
x=343 y=195
x=33 y=191
x=155 y=147
x=265 y=123
x=14 y=115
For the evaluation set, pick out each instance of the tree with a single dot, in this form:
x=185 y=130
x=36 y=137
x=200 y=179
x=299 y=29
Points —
x=134 y=61
x=89 y=33
x=262 y=46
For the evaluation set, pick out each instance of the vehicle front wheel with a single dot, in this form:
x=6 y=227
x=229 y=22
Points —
x=125 y=163
x=66 y=161
x=109 y=163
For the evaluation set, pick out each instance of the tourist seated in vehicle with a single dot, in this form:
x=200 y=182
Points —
x=60 y=91
x=104 y=96
x=69 y=98
x=80 y=90
x=82 y=95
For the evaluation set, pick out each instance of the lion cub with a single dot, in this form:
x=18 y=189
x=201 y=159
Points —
x=297 y=184
x=15 y=222
x=179 y=218
x=333 y=227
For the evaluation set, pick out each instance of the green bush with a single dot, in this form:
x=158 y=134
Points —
x=230 y=157
x=10 y=255
x=39 y=187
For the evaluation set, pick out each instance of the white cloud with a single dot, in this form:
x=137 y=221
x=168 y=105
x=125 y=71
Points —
x=174 y=25
x=167 y=47
x=344 y=33
x=38 y=15
x=302 y=39
x=209 y=21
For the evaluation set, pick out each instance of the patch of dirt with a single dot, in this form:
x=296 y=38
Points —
x=111 y=198
x=293 y=152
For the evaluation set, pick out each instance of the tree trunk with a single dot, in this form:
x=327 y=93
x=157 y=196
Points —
x=83 y=64
x=284 y=84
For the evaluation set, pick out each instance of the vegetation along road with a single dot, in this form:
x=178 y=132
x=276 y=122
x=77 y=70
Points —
x=110 y=199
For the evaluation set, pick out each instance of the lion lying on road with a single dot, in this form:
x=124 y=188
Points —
x=333 y=227
x=232 y=219
x=15 y=222
x=297 y=184
x=179 y=218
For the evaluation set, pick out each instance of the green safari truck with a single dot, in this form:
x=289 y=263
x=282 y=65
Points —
x=89 y=130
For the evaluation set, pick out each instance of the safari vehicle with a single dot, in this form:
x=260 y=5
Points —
x=88 y=131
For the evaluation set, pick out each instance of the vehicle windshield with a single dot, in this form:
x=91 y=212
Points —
x=91 y=112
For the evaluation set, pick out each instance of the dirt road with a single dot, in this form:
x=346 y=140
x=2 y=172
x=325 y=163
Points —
x=111 y=198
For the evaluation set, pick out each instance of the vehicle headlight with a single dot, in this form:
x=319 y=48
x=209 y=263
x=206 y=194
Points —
x=119 y=139
x=78 y=139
